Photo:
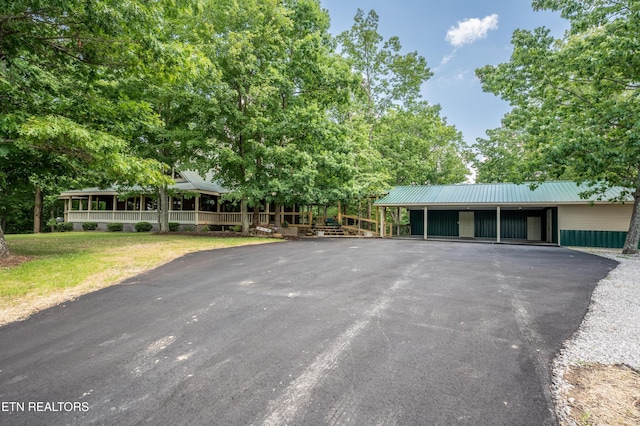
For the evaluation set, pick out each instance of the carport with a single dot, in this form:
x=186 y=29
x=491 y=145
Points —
x=551 y=213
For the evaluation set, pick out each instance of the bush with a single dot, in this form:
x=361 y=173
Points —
x=174 y=226
x=90 y=226
x=143 y=227
x=114 y=227
x=64 y=226
x=236 y=228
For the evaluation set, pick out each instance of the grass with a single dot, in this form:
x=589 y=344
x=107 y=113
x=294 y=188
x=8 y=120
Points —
x=61 y=266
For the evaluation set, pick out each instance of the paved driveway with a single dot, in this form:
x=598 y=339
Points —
x=314 y=332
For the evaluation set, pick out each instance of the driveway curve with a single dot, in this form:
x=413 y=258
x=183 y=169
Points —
x=312 y=332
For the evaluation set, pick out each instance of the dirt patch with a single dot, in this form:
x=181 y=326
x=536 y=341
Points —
x=602 y=395
x=13 y=261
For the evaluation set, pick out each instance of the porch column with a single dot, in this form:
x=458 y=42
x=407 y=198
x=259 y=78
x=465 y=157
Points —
x=498 y=224
x=115 y=207
x=267 y=211
x=69 y=205
x=382 y=224
x=425 y=222
x=197 y=203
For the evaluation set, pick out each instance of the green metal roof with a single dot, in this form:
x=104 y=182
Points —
x=493 y=194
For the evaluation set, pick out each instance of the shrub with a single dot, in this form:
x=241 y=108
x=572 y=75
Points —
x=174 y=226
x=143 y=227
x=114 y=227
x=188 y=228
x=236 y=228
x=64 y=226
x=90 y=226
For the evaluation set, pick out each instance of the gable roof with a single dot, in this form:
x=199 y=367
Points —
x=493 y=194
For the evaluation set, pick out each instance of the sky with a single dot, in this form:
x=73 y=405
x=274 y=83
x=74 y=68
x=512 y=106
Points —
x=455 y=37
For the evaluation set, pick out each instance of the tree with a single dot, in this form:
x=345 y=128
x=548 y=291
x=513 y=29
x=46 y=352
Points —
x=419 y=148
x=390 y=79
x=61 y=63
x=279 y=82
x=577 y=98
x=390 y=109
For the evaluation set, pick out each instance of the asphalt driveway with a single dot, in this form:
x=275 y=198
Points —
x=313 y=332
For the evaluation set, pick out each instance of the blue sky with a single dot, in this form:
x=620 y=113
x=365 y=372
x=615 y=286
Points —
x=455 y=37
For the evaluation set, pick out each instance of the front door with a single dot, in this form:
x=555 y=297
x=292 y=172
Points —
x=465 y=225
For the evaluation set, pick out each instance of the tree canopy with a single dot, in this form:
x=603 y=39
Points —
x=576 y=99
x=62 y=64
x=257 y=91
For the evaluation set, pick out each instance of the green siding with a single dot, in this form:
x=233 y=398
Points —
x=485 y=224
x=416 y=218
x=606 y=239
x=442 y=223
x=513 y=224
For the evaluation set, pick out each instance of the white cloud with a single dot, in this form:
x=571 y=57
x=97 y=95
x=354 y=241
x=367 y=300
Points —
x=470 y=30
x=448 y=57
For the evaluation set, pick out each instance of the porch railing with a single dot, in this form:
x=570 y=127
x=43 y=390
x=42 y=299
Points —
x=182 y=217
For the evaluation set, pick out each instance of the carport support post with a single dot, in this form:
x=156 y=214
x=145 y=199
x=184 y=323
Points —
x=425 y=223
x=382 y=224
x=498 y=224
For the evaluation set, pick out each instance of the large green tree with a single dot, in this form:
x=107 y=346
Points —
x=280 y=82
x=390 y=79
x=577 y=98
x=61 y=63
x=414 y=142
x=418 y=147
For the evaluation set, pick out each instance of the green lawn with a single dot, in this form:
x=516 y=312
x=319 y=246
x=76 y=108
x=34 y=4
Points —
x=93 y=260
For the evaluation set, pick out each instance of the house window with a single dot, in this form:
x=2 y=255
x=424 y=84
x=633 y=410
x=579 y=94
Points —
x=208 y=203
x=133 y=203
x=189 y=204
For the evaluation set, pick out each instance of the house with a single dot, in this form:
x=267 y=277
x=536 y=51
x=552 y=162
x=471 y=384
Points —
x=197 y=203
x=552 y=213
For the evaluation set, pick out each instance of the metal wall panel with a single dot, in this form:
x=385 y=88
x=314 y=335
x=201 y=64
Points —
x=416 y=218
x=486 y=224
x=587 y=238
x=513 y=224
x=442 y=223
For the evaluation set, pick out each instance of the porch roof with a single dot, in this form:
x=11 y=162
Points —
x=187 y=181
x=550 y=193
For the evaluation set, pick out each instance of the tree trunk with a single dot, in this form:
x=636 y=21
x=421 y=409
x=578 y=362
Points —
x=37 y=211
x=256 y=215
x=277 y=220
x=633 y=235
x=4 y=247
x=163 y=209
x=244 y=215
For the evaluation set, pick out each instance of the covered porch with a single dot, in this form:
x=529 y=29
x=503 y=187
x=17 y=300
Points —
x=201 y=210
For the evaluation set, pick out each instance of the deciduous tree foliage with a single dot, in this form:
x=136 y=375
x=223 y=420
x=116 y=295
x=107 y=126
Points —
x=418 y=147
x=578 y=98
x=414 y=144
x=272 y=134
x=60 y=67
x=389 y=78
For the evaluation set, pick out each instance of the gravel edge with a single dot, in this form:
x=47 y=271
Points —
x=609 y=333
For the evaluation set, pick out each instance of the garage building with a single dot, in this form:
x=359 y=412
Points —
x=552 y=212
